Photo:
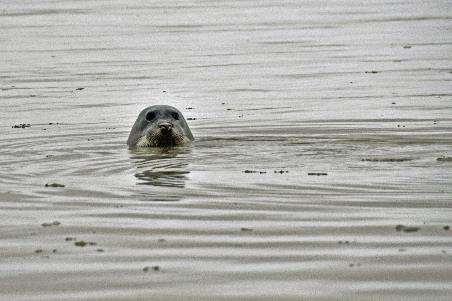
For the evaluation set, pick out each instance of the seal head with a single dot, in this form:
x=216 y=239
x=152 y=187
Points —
x=160 y=126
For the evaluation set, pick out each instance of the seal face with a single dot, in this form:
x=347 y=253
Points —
x=160 y=126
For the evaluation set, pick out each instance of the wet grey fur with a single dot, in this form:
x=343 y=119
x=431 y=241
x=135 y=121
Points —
x=146 y=133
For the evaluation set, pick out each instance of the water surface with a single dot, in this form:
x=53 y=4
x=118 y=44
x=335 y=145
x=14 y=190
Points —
x=321 y=127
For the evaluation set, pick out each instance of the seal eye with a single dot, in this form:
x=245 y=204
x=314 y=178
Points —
x=150 y=116
x=175 y=115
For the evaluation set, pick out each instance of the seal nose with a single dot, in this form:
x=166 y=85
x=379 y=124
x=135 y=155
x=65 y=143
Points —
x=165 y=127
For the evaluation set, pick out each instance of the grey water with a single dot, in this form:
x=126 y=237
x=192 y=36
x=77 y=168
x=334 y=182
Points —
x=321 y=169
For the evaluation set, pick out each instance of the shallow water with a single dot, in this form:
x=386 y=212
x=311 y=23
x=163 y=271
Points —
x=318 y=128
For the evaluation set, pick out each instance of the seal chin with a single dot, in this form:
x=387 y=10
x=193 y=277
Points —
x=162 y=137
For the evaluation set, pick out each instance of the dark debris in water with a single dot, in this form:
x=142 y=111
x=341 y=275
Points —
x=444 y=159
x=447 y=228
x=264 y=172
x=407 y=228
x=246 y=229
x=55 y=223
x=21 y=126
x=386 y=159
x=80 y=243
x=54 y=185
x=343 y=242
x=254 y=171
x=317 y=174
x=155 y=268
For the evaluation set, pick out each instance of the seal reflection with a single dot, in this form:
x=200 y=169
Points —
x=161 y=166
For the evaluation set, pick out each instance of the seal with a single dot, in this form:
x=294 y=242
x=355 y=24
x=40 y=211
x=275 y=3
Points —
x=160 y=126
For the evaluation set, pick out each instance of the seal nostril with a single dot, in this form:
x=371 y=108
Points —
x=165 y=127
